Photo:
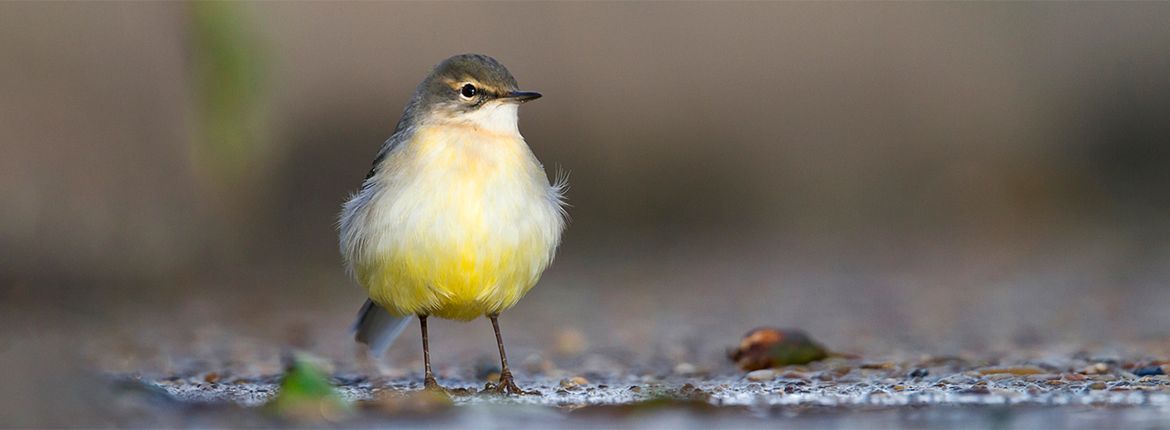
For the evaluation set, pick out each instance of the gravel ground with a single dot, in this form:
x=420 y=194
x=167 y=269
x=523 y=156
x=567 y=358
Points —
x=1084 y=392
x=1045 y=348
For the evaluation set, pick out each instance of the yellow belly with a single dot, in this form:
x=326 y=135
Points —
x=458 y=281
x=461 y=225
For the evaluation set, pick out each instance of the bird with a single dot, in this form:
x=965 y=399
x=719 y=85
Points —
x=457 y=218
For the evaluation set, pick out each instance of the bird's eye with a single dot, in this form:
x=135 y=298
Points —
x=468 y=91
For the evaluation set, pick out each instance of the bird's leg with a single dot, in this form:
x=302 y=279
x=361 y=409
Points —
x=429 y=378
x=506 y=384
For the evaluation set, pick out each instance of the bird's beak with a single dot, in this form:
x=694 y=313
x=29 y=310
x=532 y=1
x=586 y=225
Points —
x=520 y=96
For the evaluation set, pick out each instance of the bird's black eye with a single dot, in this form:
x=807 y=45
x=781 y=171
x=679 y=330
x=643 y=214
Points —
x=468 y=91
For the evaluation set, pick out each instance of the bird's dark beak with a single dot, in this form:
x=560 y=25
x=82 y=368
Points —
x=521 y=96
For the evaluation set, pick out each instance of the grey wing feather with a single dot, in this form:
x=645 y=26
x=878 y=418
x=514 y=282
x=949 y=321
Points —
x=376 y=328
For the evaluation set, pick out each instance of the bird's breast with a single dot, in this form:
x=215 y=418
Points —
x=458 y=217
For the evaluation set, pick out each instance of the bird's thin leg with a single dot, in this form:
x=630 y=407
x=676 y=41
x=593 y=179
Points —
x=429 y=378
x=506 y=384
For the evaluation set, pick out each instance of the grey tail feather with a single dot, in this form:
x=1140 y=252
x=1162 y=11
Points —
x=376 y=328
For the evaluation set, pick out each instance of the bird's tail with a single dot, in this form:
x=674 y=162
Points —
x=377 y=328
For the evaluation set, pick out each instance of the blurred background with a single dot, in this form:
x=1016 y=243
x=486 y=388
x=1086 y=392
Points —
x=927 y=177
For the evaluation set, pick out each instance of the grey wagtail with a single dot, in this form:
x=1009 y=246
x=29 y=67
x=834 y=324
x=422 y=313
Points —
x=457 y=218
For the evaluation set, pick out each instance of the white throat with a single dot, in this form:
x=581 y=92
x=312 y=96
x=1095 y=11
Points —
x=496 y=117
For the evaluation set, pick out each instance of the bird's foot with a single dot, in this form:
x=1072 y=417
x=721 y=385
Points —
x=507 y=386
x=432 y=386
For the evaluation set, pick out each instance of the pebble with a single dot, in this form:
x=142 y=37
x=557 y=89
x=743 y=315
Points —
x=685 y=369
x=794 y=375
x=574 y=382
x=761 y=375
x=1095 y=369
x=1042 y=377
x=1019 y=371
x=977 y=389
x=768 y=347
x=1149 y=371
x=1106 y=378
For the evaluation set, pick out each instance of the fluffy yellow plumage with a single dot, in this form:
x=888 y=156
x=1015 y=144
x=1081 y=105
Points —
x=463 y=224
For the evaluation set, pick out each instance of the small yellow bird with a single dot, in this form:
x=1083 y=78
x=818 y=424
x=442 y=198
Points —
x=457 y=219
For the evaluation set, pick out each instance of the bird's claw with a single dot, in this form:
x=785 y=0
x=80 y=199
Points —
x=507 y=386
x=431 y=385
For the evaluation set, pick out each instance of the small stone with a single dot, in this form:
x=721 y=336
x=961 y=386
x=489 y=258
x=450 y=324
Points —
x=1095 y=369
x=769 y=347
x=1149 y=371
x=1040 y=377
x=919 y=373
x=574 y=382
x=794 y=375
x=976 y=389
x=635 y=389
x=213 y=377
x=761 y=375
x=1018 y=371
x=685 y=369
x=1097 y=386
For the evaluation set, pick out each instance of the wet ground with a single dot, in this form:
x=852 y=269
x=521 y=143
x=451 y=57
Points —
x=1046 y=347
x=1081 y=391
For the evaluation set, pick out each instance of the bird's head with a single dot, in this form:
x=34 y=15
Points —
x=472 y=90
